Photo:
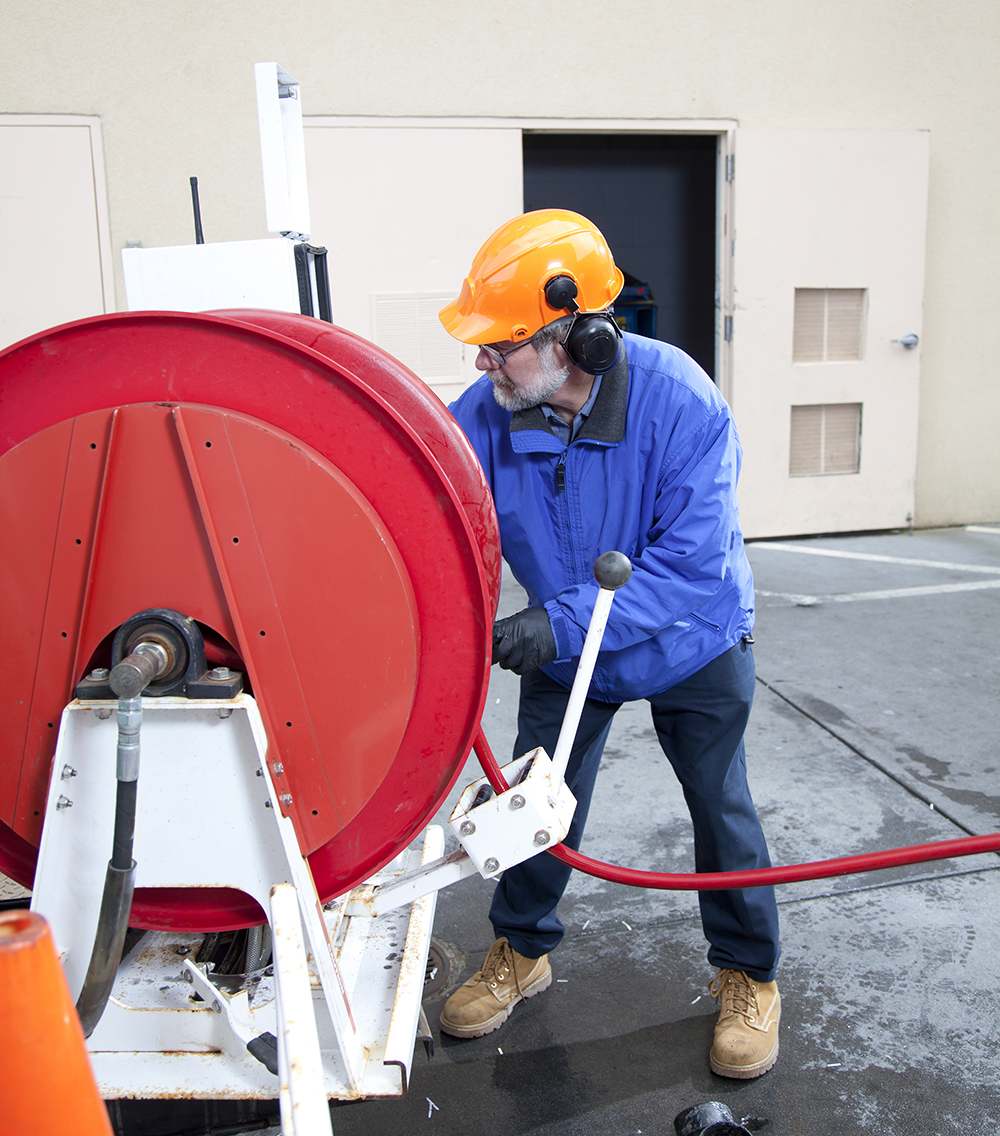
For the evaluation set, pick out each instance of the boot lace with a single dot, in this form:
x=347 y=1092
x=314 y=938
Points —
x=498 y=966
x=738 y=994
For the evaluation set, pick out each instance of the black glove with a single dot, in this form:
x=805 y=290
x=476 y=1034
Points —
x=524 y=642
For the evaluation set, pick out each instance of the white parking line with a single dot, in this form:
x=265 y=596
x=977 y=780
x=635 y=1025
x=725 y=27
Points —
x=841 y=555
x=885 y=594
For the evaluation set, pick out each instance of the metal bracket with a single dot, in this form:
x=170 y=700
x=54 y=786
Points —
x=507 y=829
x=234 y=1005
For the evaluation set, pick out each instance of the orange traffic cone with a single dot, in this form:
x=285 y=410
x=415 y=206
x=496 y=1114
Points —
x=46 y=1084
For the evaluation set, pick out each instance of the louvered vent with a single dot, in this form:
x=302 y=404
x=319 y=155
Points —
x=825 y=439
x=406 y=325
x=829 y=324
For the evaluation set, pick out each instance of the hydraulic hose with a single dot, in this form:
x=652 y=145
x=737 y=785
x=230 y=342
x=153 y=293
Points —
x=755 y=877
x=128 y=680
x=119 y=881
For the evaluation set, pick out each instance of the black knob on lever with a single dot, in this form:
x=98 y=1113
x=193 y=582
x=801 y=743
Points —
x=612 y=570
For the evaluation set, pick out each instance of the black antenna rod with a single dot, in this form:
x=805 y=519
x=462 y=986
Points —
x=199 y=236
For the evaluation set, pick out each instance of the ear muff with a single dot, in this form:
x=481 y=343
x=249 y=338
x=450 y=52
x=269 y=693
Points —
x=594 y=339
x=593 y=342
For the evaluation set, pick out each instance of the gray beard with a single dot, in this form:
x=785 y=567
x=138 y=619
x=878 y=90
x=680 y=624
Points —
x=549 y=379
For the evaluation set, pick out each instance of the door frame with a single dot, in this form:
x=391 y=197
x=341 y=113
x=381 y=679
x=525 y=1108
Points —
x=724 y=130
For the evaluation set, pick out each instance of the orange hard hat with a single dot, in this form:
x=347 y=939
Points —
x=503 y=297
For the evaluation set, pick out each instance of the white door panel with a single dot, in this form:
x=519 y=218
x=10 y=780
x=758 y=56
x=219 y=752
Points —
x=403 y=210
x=53 y=224
x=828 y=209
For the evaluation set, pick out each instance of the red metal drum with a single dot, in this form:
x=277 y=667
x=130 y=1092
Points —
x=310 y=503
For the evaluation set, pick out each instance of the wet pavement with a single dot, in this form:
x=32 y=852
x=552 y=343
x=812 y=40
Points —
x=876 y=724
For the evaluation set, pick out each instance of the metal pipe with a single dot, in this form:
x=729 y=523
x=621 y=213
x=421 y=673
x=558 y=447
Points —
x=199 y=236
x=133 y=674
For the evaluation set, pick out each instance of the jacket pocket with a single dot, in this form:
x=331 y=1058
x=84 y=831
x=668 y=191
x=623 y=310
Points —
x=705 y=622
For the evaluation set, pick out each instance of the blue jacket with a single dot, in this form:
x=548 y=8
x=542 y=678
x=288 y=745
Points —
x=652 y=473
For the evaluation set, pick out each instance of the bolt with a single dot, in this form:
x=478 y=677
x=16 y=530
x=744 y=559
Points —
x=103 y=712
x=216 y=1007
x=64 y=803
x=267 y=804
x=99 y=674
x=467 y=828
x=182 y=950
x=225 y=711
x=286 y=799
x=491 y=866
x=67 y=772
x=220 y=673
x=278 y=768
x=542 y=837
x=517 y=801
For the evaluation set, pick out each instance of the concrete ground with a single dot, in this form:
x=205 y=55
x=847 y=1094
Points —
x=875 y=726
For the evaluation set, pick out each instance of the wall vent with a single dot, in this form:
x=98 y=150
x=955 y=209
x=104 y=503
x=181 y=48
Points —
x=406 y=325
x=829 y=324
x=825 y=439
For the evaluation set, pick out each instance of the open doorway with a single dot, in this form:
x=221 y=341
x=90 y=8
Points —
x=654 y=198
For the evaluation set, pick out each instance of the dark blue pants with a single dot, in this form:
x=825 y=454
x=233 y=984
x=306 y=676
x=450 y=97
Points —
x=699 y=724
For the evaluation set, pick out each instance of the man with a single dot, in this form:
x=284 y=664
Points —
x=592 y=442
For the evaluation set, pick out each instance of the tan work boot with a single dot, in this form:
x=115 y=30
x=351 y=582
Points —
x=746 y=1035
x=484 y=1003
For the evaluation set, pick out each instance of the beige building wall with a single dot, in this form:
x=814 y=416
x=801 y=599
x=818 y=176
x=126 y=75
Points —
x=172 y=84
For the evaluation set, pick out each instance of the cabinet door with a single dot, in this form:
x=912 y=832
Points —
x=403 y=209
x=828 y=269
x=56 y=263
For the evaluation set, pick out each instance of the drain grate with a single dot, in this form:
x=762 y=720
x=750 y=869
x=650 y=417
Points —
x=439 y=968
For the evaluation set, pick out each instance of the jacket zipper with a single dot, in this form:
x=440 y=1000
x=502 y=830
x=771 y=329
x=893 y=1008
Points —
x=561 y=489
x=714 y=626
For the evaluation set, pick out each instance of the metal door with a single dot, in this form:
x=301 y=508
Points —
x=56 y=262
x=828 y=270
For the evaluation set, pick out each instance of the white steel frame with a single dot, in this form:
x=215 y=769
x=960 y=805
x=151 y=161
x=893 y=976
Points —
x=206 y=761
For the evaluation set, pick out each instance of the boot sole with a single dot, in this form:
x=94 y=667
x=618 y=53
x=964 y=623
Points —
x=744 y=1072
x=480 y=1029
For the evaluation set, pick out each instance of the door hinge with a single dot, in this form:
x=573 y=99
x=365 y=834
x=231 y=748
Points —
x=730 y=167
x=727 y=324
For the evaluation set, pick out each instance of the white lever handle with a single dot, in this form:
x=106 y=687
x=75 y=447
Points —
x=612 y=570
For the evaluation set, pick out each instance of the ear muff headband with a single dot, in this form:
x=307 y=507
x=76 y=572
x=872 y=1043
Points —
x=593 y=340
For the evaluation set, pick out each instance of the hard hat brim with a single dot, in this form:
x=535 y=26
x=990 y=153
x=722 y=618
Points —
x=472 y=328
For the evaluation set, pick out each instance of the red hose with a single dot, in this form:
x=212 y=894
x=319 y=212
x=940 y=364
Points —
x=756 y=877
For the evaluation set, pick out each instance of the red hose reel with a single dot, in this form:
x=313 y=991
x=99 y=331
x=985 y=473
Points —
x=307 y=501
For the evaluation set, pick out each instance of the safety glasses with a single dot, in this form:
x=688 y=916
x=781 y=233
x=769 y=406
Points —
x=499 y=356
